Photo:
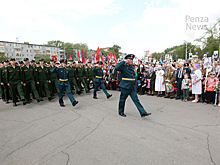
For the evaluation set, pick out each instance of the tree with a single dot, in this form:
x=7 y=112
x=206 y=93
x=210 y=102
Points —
x=42 y=56
x=115 y=49
x=56 y=43
x=2 y=56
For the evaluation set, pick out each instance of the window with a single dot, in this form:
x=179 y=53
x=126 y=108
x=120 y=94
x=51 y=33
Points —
x=30 y=50
x=32 y=55
x=22 y=54
x=27 y=50
x=27 y=55
x=12 y=55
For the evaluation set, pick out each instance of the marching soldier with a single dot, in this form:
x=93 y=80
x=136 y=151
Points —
x=80 y=74
x=64 y=83
x=13 y=79
x=90 y=74
x=128 y=85
x=53 y=78
x=27 y=77
x=72 y=72
x=42 y=77
x=99 y=80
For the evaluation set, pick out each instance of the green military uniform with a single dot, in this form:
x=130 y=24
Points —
x=42 y=76
x=54 y=81
x=27 y=78
x=128 y=86
x=13 y=77
x=4 y=86
x=72 y=73
x=80 y=74
x=90 y=75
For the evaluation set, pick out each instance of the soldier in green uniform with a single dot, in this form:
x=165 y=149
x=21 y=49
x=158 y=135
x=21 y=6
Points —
x=90 y=74
x=27 y=77
x=72 y=72
x=42 y=77
x=53 y=79
x=128 y=85
x=1 y=87
x=81 y=74
x=99 y=80
x=13 y=79
x=5 y=88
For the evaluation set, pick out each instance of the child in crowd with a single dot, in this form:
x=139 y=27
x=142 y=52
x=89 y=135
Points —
x=185 y=87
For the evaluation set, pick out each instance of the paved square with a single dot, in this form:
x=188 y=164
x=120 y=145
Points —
x=93 y=132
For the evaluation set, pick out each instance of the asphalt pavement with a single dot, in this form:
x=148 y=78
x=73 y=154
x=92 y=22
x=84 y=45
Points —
x=92 y=132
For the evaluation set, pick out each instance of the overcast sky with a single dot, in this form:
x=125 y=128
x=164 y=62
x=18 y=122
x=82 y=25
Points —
x=135 y=25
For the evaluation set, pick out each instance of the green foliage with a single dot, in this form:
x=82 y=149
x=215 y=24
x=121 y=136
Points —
x=115 y=49
x=3 y=57
x=42 y=56
x=57 y=43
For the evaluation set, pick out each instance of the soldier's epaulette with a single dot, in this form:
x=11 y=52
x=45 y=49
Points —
x=60 y=67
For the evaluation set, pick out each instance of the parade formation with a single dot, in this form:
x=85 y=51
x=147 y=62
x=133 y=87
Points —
x=185 y=80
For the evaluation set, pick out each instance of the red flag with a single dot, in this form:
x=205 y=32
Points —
x=115 y=58
x=70 y=57
x=99 y=52
x=96 y=57
x=87 y=57
x=110 y=55
x=54 y=58
x=83 y=58
x=102 y=60
x=78 y=55
x=107 y=57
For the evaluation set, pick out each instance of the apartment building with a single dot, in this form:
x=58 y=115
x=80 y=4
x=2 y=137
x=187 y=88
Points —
x=19 y=51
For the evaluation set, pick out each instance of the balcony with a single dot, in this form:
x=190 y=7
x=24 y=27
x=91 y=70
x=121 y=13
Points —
x=17 y=47
x=47 y=49
x=18 y=52
x=18 y=57
x=2 y=51
x=2 y=46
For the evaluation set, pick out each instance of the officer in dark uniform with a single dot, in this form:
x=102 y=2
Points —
x=128 y=85
x=90 y=74
x=64 y=83
x=99 y=80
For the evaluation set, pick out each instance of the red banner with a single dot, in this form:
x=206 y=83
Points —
x=54 y=58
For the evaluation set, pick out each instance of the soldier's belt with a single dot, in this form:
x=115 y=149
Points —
x=63 y=79
x=129 y=79
x=98 y=76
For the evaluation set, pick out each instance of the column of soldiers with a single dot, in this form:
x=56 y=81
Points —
x=23 y=79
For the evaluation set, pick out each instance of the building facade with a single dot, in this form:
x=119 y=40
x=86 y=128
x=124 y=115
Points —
x=19 y=51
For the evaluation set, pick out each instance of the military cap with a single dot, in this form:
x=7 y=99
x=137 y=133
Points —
x=130 y=56
x=61 y=61
x=80 y=62
x=26 y=59
x=38 y=62
x=99 y=63
x=51 y=59
x=41 y=59
x=32 y=60
x=70 y=60
x=12 y=59
x=57 y=63
x=20 y=62
x=5 y=61
x=74 y=62
x=89 y=62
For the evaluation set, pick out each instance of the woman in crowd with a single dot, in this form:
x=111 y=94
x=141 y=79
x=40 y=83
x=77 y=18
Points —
x=211 y=83
x=196 y=82
x=151 y=78
x=159 y=83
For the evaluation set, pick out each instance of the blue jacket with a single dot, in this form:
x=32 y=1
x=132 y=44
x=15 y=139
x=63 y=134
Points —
x=128 y=75
x=98 y=74
x=63 y=74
